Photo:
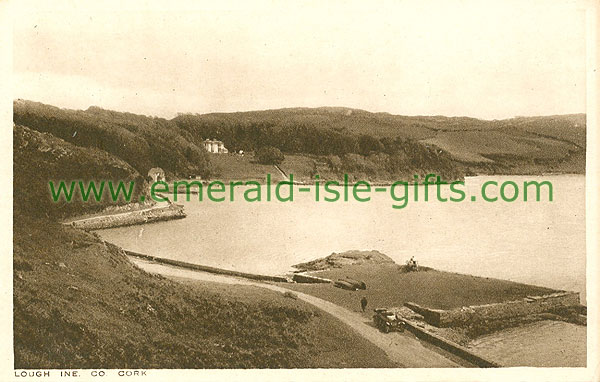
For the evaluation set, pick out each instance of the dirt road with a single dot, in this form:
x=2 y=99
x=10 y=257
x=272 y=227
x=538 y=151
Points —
x=402 y=348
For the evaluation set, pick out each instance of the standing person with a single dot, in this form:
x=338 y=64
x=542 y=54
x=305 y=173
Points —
x=363 y=303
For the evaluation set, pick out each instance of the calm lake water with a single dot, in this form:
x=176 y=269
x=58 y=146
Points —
x=540 y=243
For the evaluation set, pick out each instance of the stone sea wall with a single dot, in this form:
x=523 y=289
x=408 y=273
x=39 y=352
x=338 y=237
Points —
x=149 y=215
x=205 y=268
x=516 y=308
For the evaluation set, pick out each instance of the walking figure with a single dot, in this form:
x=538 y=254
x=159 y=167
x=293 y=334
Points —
x=363 y=303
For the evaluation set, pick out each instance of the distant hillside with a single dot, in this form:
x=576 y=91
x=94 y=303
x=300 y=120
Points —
x=512 y=146
x=141 y=141
x=326 y=137
x=329 y=141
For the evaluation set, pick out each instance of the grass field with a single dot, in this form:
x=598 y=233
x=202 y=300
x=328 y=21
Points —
x=232 y=167
x=473 y=146
x=388 y=285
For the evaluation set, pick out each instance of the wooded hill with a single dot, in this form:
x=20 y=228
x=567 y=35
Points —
x=376 y=146
x=550 y=144
x=143 y=142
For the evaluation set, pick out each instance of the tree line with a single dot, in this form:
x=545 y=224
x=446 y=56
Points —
x=344 y=151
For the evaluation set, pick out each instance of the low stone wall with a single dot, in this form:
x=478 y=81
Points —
x=431 y=316
x=130 y=218
x=307 y=279
x=450 y=346
x=516 y=308
x=206 y=268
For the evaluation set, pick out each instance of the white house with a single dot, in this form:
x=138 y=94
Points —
x=215 y=146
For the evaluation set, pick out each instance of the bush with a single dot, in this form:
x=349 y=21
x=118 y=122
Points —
x=269 y=155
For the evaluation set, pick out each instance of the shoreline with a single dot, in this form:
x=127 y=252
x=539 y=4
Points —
x=322 y=181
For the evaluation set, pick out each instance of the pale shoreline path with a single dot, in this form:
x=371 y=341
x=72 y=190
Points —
x=401 y=348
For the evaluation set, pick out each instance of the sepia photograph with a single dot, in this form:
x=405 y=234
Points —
x=390 y=190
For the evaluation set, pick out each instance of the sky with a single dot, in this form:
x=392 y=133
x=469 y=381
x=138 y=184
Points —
x=481 y=59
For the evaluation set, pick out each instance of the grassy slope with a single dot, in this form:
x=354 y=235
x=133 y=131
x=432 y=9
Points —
x=80 y=304
x=234 y=167
x=550 y=138
x=388 y=285
x=230 y=167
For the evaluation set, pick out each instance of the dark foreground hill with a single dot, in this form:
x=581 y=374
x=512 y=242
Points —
x=79 y=303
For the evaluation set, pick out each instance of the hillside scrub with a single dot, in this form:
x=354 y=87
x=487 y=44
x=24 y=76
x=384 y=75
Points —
x=143 y=142
x=362 y=155
x=375 y=146
x=41 y=157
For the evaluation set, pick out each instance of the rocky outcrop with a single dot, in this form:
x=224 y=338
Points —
x=339 y=260
x=39 y=158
